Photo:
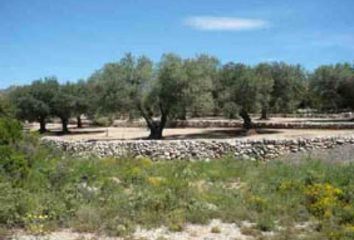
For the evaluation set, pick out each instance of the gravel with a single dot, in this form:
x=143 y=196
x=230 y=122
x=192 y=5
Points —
x=227 y=231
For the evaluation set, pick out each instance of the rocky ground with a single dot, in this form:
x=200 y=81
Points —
x=215 y=230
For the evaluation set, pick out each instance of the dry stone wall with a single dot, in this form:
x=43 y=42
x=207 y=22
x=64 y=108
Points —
x=197 y=149
x=270 y=125
x=239 y=124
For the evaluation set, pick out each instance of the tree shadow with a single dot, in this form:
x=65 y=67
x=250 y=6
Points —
x=217 y=134
x=81 y=132
x=332 y=120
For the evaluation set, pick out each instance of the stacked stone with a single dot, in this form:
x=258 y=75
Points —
x=197 y=149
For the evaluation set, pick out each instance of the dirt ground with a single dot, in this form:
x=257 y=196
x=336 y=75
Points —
x=228 y=231
x=110 y=133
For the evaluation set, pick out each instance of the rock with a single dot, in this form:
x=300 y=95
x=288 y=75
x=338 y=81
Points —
x=116 y=180
x=195 y=149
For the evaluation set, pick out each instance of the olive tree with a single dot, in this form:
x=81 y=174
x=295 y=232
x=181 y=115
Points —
x=165 y=95
x=241 y=89
x=289 y=87
x=331 y=86
x=346 y=89
x=81 y=99
x=63 y=105
x=122 y=87
x=198 y=86
x=263 y=72
x=33 y=102
x=109 y=87
x=135 y=86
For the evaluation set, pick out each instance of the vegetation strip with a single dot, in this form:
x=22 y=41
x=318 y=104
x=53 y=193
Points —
x=44 y=190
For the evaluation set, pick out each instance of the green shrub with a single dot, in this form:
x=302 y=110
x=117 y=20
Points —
x=103 y=121
x=13 y=164
x=265 y=223
x=10 y=131
x=230 y=110
x=87 y=219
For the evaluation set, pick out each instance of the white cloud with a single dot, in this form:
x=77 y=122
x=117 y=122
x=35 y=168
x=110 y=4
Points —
x=225 y=23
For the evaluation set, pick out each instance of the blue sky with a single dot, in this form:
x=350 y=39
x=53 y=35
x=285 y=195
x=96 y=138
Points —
x=72 y=38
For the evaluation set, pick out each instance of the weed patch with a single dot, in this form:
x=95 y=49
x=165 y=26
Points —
x=114 y=196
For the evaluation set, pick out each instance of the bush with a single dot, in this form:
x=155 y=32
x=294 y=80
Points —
x=103 y=121
x=10 y=131
x=231 y=110
x=322 y=199
x=13 y=164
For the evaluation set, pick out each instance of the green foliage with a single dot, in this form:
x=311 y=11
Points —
x=81 y=100
x=12 y=164
x=170 y=84
x=240 y=86
x=201 y=72
x=102 y=121
x=113 y=196
x=240 y=91
x=64 y=104
x=231 y=110
x=46 y=98
x=266 y=86
x=332 y=86
x=33 y=102
x=6 y=107
x=120 y=87
x=275 y=87
x=10 y=131
x=176 y=88
x=289 y=87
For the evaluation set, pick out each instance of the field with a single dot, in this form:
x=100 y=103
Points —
x=49 y=194
x=140 y=199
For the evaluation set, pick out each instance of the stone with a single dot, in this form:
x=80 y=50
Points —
x=195 y=149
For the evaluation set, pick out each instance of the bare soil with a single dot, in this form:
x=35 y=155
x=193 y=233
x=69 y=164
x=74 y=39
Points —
x=121 y=133
x=227 y=231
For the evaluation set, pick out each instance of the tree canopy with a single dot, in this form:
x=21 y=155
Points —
x=178 y=88
x=33 y=102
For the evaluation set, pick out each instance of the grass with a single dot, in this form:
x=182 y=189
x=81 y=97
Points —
x=113 y=196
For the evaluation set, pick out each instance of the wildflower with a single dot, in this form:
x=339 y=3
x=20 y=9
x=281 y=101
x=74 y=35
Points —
x=322 y=198
x=155 y=181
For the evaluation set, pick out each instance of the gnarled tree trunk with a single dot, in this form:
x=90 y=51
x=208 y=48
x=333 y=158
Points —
x=182 y=115
x=79 y=122
x=156 y=127
x=264 y=114
x=64 y=122
x=42 y=125
x=156 y=130
x=247 y=121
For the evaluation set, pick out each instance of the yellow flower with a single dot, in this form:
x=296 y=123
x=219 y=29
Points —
x=155 y=181
x=322 y=198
